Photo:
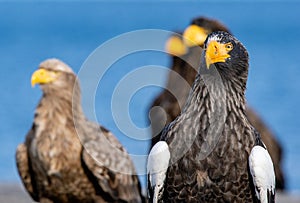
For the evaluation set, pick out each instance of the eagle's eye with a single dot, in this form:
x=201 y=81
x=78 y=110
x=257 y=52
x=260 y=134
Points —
x=229 y=46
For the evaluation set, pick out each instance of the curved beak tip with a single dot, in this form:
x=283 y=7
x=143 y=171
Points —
x=33 y=81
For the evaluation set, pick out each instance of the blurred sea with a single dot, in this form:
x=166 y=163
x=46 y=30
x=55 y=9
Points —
x=71 y=31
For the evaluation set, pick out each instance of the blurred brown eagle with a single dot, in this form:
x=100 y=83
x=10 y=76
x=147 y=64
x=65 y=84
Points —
x=65 y=157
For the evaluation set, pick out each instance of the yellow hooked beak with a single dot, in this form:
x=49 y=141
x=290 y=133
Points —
x=42 y=76
x=175 y=46
x=194 y=36
x=217 y=52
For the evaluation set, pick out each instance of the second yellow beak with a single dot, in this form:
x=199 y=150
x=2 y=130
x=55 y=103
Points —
x=194 y=36
x=42 y=76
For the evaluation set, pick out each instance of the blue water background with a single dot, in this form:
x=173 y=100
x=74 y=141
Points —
x=32 y=32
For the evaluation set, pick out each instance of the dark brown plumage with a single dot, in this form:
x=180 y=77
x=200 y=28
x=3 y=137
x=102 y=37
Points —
x=184 y=70
x=174 y=95
x=211 y=140
x=187 y=66
x=67 y=158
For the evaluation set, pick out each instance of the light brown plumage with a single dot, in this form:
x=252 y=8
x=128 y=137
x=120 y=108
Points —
x=67 y=158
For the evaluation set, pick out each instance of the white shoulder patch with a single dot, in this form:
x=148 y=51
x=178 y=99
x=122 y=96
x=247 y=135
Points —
x=157 y=166
x=262 y=171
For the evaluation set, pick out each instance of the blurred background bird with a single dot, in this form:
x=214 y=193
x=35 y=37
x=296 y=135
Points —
x=186 y=53
x=67 y=158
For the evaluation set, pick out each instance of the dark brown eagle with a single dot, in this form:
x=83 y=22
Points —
x=211 y=152
x=65 y=157
x=185 y=63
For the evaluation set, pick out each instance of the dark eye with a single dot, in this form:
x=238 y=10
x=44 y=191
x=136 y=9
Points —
x=228 y=46
x=55 y=72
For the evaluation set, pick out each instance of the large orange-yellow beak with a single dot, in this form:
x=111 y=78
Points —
x=217 y=52
x=175 y=46
x=194 y=36
x=42 y=76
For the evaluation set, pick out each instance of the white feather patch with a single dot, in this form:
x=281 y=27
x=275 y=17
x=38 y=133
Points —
x=157 y=166
x=216 y=38
x=262 y=171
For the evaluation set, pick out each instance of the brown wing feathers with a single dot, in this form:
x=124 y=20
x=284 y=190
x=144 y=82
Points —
x=64 y=158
